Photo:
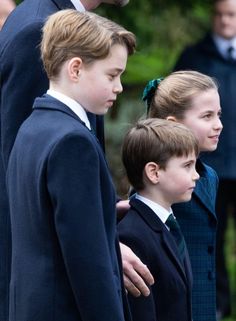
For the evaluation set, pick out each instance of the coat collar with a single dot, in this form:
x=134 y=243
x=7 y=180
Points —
x=63 y=4
x=48 y=102
x=157 y=225
x=147 y=214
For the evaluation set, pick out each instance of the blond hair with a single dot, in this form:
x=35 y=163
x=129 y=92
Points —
x=154 y=140
x=69 y=33
x=173 y=95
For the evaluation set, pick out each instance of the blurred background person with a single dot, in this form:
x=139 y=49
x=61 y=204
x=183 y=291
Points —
x=6 y=7
x=215 y=55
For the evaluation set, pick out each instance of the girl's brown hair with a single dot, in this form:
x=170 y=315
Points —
x=173 y=95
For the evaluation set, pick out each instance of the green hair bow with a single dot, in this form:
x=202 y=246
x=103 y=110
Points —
x=149 y=91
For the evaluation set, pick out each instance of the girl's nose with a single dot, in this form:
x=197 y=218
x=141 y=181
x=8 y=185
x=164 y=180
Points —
x=218 y=124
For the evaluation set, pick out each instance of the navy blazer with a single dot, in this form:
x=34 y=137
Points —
x=198 y=223
x=22 y=79
x=62 y=205
x=148 y=237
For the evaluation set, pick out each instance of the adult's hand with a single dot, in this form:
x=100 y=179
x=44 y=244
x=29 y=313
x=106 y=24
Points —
x=136 y=275
x=122 y=208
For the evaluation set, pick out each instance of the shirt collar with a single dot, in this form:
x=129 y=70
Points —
x=223 y=44
x=78 y=5
x=72 y=104
x=160 y=211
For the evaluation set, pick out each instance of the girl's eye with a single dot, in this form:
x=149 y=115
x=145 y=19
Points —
x=207 y=116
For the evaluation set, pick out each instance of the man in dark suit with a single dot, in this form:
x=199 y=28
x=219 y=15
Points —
x=65 y=258
x=155 y=155
x=215 y=55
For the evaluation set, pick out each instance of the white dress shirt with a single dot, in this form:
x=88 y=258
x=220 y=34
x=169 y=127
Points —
x=223 y=45
x=78 y=5
x=160 y=211
x=72 y=104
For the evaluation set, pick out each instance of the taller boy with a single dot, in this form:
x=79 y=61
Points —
x=22 y=79
x=65 y=264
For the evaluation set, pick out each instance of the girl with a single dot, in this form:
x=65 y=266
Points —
x=192 y=99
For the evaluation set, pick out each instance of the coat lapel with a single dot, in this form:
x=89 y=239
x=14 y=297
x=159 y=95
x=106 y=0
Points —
x=172 y=250
x=204 y=190
x=48 y=102
x=157 y=225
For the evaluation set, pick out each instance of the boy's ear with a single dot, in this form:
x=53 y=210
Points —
x=171 y=118
x=151 y=171
x=74 y=67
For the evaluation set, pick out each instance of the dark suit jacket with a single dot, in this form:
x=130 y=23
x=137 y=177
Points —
x=22 y=79
x=205 y=57
x=147 y=236
x=62 y=206
x=198 y=223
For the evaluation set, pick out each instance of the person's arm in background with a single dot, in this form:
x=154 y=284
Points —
x=6 y=7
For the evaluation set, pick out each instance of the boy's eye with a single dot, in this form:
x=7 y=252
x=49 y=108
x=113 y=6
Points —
x=187 y=165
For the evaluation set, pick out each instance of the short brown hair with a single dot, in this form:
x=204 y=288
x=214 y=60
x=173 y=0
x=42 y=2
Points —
x=174 y=94
x=69 y=33
x=154 y=140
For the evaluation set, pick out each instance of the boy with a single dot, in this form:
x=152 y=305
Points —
x=65 y=264
x=159 y=157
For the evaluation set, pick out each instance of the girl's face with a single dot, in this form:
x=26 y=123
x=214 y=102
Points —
x=203 y=118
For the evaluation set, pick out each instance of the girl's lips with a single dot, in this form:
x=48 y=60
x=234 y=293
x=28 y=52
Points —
x=216 y=137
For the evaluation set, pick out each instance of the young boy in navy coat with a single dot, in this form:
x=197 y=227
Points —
x=65 y=258
x=159 y=157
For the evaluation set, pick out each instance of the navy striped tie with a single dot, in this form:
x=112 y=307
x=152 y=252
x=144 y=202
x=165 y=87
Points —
x=175 y=230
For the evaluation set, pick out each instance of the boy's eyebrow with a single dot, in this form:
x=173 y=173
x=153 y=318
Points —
x=116 y=69
x=193 y=160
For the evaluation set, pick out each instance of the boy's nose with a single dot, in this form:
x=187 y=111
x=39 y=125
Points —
x=195 y=175
x=118 y=88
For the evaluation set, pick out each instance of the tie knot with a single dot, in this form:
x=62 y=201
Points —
x=230 y=53
x=172 y=223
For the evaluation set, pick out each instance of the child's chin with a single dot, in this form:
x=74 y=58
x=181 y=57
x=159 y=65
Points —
x=184 y=199
x=209 y=149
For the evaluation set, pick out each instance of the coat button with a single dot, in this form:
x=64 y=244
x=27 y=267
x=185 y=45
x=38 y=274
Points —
x=210 y=249
x=211 y=275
